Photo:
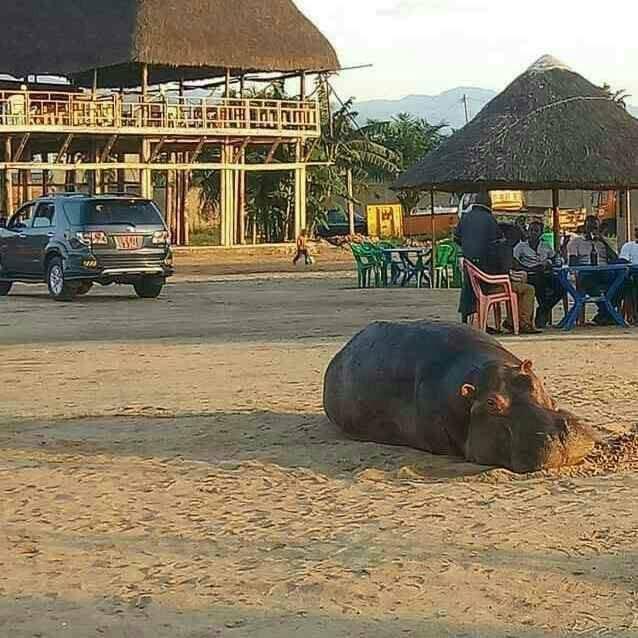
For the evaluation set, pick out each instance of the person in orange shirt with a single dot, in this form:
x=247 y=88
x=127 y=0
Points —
x=302 y=249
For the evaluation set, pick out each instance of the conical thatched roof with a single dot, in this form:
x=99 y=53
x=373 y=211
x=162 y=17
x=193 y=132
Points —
x=202 y=37
x=550 y=128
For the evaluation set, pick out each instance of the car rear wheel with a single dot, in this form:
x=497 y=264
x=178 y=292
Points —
x=149 y=287
x=59 y=288
x=5 y=288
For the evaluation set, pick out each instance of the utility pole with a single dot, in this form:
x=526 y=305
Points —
x=467 y=109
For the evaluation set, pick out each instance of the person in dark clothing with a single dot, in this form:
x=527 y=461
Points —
x=483 y=244
x=477 y=234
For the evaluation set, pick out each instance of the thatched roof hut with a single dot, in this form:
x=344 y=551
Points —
x=550 y=129
x=178 y=39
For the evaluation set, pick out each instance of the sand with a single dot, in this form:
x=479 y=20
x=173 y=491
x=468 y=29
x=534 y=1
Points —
x=166 y=470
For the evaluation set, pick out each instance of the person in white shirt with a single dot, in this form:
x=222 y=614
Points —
x=629 y=251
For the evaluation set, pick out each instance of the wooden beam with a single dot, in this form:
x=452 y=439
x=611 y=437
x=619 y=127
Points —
x=241 y=150
x=23 y=143
x=556 y=217
x=433 y=256
x=198 y=149
x=203 y=166
x=64 y=149
x=310 y=151
x=273 y=150
x=106 y=151
x=8 y=179
x=157 y=150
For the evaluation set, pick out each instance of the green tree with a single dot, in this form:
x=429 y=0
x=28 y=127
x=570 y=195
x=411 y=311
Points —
x=411 y=138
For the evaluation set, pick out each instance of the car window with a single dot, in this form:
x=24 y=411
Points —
x=44 y=216
x=22 y=219
x=111 y=212
x=337 y=217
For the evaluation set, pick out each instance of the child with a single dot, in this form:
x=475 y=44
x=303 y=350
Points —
x=302 y=249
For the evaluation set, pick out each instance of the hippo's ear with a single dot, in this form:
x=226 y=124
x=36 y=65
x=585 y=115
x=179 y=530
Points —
x=527 y=367
x=468 y=391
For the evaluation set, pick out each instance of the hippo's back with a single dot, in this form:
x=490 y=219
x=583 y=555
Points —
x=371 y=384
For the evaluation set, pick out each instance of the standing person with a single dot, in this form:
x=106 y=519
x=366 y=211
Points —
x=302 y=249
x=590 y=249
x=479 y=236
x=536 y=257
x=476 y=233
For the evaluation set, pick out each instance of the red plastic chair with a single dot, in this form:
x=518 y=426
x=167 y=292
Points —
x=486 y=301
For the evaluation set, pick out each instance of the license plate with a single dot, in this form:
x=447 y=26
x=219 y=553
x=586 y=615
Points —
x=128 y=242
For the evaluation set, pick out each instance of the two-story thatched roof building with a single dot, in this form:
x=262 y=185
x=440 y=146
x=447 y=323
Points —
x=139 y=43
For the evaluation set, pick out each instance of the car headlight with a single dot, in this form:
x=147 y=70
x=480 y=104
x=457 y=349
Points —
x=160 y=238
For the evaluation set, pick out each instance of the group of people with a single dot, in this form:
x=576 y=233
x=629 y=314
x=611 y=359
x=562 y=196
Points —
x=529 y=261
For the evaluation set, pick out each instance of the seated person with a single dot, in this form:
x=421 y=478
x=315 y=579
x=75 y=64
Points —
x=581 y=251
x=629 y=251
x=535 y=257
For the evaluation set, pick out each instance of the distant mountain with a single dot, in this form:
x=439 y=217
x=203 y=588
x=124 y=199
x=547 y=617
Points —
x=446 y=108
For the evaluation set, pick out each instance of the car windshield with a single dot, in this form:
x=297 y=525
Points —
x=112 y=212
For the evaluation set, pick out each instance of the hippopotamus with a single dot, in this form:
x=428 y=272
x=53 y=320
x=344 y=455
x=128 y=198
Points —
x=449 y=389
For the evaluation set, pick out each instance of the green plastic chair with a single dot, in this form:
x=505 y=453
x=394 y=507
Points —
x=365 y=265
x=444 y=265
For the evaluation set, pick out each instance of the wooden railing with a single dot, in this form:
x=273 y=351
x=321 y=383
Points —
x=68 y=111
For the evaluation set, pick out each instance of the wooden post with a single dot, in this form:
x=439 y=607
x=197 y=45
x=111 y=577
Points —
x=623 y=218
x=8 y=179
x=433 y=224
x=121 y=175
x=45 y=179
x=241 y=200
x=146 y=178
x=144 y=82
x=228 y=208
x=556 y=216
x=227 y=90
x=350 y=188
x=94 y=88
x=302 y=79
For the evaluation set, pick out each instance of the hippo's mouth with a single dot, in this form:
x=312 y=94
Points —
x=569 y=445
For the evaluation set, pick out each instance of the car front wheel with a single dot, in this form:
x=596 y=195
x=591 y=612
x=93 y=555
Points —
x=59 y=288
x=149 y=287
x=5 y=288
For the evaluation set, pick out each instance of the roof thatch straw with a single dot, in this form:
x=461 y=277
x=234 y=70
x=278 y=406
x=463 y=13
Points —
x=550 y=128
x=178 y=39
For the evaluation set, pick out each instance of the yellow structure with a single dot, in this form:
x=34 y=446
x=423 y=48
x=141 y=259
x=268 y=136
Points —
x=385 y=220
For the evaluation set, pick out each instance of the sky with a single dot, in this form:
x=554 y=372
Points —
x=429 y=46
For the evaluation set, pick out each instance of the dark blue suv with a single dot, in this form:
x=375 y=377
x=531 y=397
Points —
x=72 y=241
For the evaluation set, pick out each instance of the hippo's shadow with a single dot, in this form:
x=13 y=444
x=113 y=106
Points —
x=287 y=440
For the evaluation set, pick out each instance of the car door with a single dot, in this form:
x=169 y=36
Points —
x=15 y=254
x=39 y=236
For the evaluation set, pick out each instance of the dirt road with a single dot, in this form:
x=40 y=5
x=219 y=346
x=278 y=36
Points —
x=166 y=471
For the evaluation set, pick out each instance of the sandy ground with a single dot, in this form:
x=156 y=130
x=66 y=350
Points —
x=166 y=471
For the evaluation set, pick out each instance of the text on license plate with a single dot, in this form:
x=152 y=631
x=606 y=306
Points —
x=128 y=242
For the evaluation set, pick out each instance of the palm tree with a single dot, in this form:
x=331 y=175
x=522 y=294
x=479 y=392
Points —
x=411 y=138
